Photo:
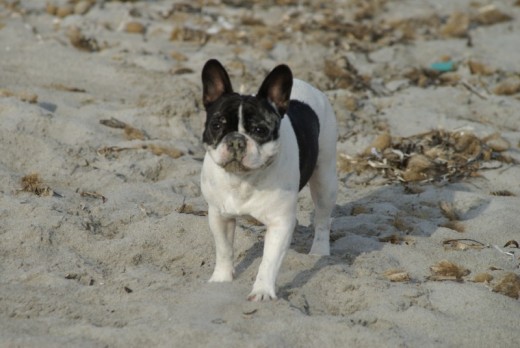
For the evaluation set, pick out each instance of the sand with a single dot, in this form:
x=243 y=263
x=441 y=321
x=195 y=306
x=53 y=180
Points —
x=111 y=247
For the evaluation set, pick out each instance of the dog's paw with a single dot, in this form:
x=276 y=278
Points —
x=261 y=295
x=221 y=276
x=320 y=249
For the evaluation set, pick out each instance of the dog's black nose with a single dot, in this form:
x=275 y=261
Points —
x=236 y=142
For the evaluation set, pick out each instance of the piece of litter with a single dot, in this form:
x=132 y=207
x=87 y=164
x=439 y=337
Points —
x=508 y=253
x=442 y=66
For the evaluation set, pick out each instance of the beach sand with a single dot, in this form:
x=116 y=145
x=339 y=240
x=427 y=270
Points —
x=104 y=240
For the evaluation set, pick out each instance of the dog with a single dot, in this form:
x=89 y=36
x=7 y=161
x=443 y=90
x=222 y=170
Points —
x=261 y=150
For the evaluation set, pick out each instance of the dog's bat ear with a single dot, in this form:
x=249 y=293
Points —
x=276 y=88
x=215 y=82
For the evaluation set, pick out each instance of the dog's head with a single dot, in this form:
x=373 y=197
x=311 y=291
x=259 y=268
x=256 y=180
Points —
x=241 y=131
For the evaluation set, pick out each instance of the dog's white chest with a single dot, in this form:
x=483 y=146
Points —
x=235 y=199
x=230 y=196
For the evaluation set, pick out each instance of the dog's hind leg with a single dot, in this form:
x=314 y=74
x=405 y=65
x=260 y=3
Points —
x=324 y=186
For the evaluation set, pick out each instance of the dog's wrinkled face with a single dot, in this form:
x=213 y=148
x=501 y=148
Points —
x=241 y=132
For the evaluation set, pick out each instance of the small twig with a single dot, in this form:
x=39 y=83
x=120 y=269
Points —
x=472 y=90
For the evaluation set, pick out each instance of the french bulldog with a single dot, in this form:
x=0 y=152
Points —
x=261 y=150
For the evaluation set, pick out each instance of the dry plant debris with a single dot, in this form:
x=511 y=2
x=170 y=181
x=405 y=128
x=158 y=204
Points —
x=23 y=96
x=448 y=210
x=34 y=184
x=187 y=208
x=61 y=87
x=489 y=15
x=503 y=193
x=482 y=278
x=397 y=239
x=509 y=285
x=81 y=42
x=512 y=244
x=359 y=209
x=162 y=150
x=508 y=86
x=61 y=10
x=135 y=27
x=454 y=225
x=435 y=156
x=396 y=275
x=446 y=270
x=400 y=224
x=462 y=244
x=112 y=151
x=131 y=132
x=479 y=68
x=93 y=195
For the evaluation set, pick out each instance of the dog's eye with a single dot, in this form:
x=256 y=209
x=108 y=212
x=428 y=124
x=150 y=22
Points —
x=216 y=125
x=260 y=131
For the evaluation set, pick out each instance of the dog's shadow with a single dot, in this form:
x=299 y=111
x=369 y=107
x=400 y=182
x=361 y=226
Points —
x=388 y=214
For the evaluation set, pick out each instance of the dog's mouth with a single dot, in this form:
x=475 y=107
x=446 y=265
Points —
x=235 y=166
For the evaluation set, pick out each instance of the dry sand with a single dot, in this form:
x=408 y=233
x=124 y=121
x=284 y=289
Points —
x=115 y=251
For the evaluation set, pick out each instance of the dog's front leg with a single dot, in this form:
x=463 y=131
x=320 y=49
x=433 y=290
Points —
x=223 y=230
x=276 y=243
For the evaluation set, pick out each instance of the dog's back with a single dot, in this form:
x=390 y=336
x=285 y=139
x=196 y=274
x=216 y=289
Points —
x=304 y=93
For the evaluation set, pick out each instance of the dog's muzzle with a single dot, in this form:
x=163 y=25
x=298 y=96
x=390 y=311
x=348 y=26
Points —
x=236 y=145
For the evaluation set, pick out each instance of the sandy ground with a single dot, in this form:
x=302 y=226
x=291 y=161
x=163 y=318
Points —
x=111 y=247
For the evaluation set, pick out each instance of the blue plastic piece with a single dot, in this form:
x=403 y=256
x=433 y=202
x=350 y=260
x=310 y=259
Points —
x=443 y=66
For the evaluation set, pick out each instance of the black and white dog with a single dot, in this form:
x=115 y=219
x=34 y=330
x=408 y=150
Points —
x=261 y=150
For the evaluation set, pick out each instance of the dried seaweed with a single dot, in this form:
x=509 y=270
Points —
x=400 y=224
x=343 y=74
x=508 y=86
x=61 y=87
x=448 y=210
x=81 y=42
x=162 y=150
x=462 y=244
x=479 y=68
x=158 y=150
x=512 y=244
x=446 y=270
x=489 y=15
x=135 y=27
x=509 y=285
x=23 y=96
x=186 y=208
x=93 y=195
x=397 y=239
x=33 y=183
x=503 y=193
x=131 y=132
x=482 y=278
x=359 y=209
x=435 y=156
x=454 y=225
x=396 y=275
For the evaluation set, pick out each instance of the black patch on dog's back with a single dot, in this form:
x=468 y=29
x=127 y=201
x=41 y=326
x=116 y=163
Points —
x=307 y=129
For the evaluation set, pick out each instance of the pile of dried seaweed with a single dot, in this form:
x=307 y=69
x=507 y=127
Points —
x=435 y=156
